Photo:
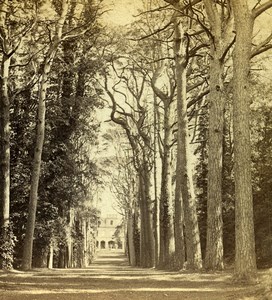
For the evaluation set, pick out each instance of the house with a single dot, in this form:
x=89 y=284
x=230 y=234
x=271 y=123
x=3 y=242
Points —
x=110 y=233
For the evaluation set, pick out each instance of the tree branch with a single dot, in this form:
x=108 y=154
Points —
x=263 y=46
x=257 y=11
x=199 y=97
x=152 y=33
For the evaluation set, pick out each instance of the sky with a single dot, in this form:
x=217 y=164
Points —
x=121 y=11
x=104 y=199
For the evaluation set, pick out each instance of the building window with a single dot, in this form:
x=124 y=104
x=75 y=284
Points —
x=111 y=222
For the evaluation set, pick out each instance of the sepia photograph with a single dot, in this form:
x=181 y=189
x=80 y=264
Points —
x=135 y=149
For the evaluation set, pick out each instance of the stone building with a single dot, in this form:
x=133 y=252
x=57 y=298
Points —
x=110 y=233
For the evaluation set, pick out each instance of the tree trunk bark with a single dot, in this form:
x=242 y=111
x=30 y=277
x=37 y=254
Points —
x=179 y=211
x=85 y=243
x=184 y=180
x=167 y=243
x=147 y=236
x=214 y=241
x=245 y=259
x=221 y=37
x=28 y=241
x=4 y=143
x=131 y=242
x=156 y=216
x=69 y=237
x=51 y=255
x=136 y=233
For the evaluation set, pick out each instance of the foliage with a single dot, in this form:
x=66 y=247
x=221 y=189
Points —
x=201 y=175
x=8 y=240
x=262 y=170
x=68 y=172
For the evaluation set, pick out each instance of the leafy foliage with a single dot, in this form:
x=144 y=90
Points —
x=262 y=187
x=7 y=245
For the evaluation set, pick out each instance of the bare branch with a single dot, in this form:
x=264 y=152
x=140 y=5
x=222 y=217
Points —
x=152 y=33
x=226 y=50
x=262 y=50
x=153 y=10
x=263 y=46
x=258 y=10
x=192 y=87
x=199 y=97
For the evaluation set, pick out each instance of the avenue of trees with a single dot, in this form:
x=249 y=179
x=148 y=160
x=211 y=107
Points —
x=189 y=93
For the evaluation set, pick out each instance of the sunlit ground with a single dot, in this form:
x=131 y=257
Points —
x=111 y=278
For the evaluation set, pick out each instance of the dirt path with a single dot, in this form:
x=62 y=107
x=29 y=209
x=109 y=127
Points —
x=110 y=277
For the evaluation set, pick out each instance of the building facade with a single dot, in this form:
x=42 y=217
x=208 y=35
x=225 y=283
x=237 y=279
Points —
x=110 y=233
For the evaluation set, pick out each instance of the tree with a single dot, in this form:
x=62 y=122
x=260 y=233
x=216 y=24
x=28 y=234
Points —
x=5 y=126
x=15 y=24
x=221 y=39
x=245 y=259
x=124 y=187
x=167 y=246
x=184 y=178
x=185 y=201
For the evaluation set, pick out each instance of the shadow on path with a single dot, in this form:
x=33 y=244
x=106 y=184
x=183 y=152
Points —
x=111 y=258
x=110 y=277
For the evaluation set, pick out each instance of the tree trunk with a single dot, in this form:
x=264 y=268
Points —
x=131 y=242
x=245 y=260
x=85 y=243
x=147 y=236
x=36 y=168
x=136 y=234
x=69 y=250
x=4 y=143
x=221 y=37
x=167 y=243
x=51 y=256
x=28 y=241
x=179 y=212
x=214 y=240
x=184 y=180
x=156 y=216
x=5 y=136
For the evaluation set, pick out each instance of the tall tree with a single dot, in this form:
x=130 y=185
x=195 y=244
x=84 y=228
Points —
x=184 y=178
x=5 y=126
x=221 y=38
x=245 y=258
x=185 y=200
x=14 y=26
x=167 y=245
